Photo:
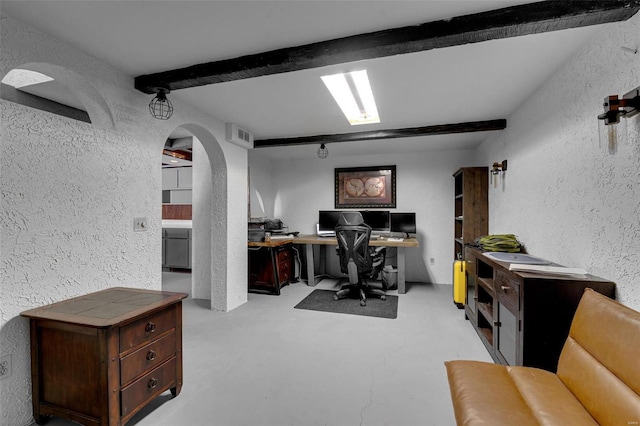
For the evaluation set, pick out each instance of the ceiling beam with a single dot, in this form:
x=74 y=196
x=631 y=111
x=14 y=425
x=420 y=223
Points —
x=514 y=21
x=441 y=129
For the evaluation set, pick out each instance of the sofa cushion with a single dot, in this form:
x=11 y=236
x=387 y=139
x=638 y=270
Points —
x=484 y=394
x=548 y=398
x=600 y=359
x=492 y=394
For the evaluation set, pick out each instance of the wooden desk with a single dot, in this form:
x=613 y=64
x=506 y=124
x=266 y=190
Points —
x=310 y=240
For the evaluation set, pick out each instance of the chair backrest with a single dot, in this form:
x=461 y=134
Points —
x=600 y=363
x=353 y=245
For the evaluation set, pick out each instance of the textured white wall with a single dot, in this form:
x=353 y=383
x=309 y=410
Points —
x=298 y=189
x=70 y=190
x=261 y=179
x=234 y=219
x=201 y=240
x=564 y=197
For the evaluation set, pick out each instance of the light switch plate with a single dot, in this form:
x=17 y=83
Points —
x=139 y=224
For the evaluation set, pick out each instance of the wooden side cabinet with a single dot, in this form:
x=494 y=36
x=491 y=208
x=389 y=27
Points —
x=523 y=318
x=270 y=266
x=100 y=358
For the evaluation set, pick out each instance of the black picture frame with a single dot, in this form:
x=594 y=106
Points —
x=365 y=187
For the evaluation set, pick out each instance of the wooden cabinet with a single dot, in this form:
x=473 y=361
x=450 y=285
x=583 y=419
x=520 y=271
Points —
x=523 y=318
x=170 y=178
x=100 y=358
x=176 y=248
x=270 y=266
x=471 y=210
x=177 y=178
x=185 y=177
x=177 y=184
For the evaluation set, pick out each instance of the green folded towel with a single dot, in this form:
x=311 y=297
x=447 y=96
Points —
x=499 y=242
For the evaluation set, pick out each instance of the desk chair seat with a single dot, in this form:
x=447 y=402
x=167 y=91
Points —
x=356 y=258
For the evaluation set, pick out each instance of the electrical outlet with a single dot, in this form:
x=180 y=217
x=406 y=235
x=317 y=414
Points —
x=5 y=367
x=139 y=224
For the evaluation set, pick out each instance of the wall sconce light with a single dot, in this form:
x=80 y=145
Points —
x=160 y=107
x=323 y=152
x=496 y=170
x=614 y=108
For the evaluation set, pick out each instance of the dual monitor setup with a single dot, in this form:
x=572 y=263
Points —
x=380 y=221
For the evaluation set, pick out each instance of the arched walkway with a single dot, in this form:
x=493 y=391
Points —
x=209 y=234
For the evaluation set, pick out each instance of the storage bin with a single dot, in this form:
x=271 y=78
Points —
x=389 y=278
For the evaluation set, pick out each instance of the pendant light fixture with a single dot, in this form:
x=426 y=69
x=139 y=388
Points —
x=160 y=107
x=323 y=152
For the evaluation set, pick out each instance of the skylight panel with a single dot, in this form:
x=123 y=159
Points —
x=354 y=96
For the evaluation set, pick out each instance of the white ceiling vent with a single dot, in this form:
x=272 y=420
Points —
x=239 y=136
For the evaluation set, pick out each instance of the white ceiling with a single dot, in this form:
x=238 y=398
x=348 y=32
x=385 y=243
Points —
x=481 y=81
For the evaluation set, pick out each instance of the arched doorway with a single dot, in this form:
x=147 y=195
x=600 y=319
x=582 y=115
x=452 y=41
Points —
x=209 y=218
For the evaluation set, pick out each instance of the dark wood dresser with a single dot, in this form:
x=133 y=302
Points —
x=270 y=265
x=523 y=318
x=98 y=359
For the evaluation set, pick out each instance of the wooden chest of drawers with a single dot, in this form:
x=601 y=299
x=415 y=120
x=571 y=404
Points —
x=270 y=266
x=98 y=359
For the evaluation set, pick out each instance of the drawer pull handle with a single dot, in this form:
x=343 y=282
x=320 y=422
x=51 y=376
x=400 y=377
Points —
x=151 y=355
x=505 y=287
x=153 y=382
x=150 y=328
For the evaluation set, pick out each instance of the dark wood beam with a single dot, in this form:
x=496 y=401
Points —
x=514 y=21
x=441 y=129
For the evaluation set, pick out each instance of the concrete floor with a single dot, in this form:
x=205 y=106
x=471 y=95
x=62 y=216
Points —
x=266 y=363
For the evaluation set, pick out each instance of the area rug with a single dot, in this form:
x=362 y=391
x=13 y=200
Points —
x=322 y=300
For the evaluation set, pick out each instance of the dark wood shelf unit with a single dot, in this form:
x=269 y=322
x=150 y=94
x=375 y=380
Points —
x=471 y=210
x=523 y=318
x=99 y=359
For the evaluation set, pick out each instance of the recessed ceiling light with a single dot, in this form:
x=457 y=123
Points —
x=20 y=78
x=353 y=94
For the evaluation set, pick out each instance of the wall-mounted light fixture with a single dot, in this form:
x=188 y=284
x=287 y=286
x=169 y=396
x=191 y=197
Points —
x=614 y=109
x=497 y=170
x=323 y=152
x=160 y=107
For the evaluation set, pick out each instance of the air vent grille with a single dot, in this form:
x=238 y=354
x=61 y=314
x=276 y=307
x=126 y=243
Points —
x=239 y=136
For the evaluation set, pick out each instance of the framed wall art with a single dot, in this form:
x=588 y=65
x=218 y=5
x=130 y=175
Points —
x=365 y=187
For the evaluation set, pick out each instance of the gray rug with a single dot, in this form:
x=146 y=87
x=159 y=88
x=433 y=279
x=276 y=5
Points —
x=322 y=300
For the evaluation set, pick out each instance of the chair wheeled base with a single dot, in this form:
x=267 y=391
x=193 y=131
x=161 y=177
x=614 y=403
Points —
x=351 y=290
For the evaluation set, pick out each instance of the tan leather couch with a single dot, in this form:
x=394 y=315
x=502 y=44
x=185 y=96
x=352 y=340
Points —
x=597 y=382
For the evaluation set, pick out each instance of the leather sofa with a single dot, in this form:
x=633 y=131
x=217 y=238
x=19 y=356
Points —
x=597 y=381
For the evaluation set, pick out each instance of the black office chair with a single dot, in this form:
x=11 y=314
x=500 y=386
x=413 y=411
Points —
x=357 y=259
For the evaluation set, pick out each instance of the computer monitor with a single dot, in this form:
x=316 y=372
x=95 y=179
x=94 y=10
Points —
x=378 y=220
x=403 y=222
x=328 y=219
